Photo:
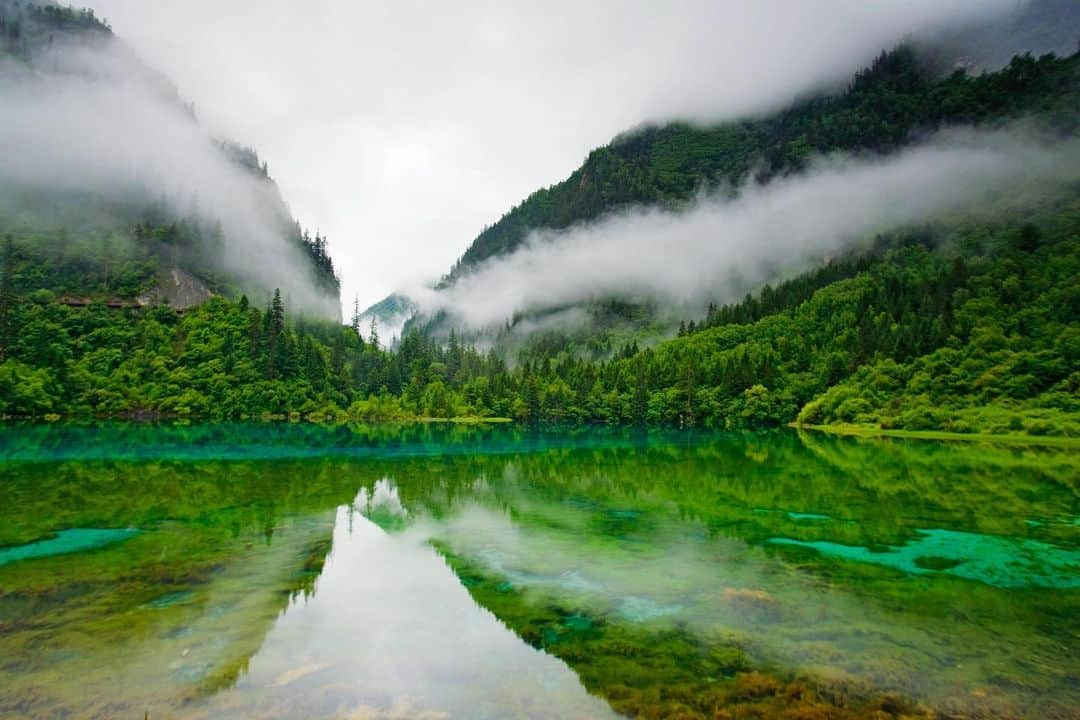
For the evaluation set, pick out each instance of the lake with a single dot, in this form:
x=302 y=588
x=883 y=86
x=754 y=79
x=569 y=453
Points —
x=437 y=571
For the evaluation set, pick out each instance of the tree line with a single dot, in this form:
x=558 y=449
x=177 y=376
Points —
x=966 y=327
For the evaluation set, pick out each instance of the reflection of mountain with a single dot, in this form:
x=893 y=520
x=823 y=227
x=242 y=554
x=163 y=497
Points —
x=393 y=634
x=175 y=612
x=640 y=562
x=648 y=573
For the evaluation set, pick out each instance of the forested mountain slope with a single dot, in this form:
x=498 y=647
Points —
x=967 y=322
x=894 y=104
x=969 y=325
x=884 y=107
x=901 y=99
x=112 y=190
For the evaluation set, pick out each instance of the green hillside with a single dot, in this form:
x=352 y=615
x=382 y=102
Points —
x=90 y=241
x=968 y=323
x=886 y=106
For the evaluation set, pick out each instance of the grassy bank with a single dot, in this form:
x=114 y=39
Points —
x=874 y=431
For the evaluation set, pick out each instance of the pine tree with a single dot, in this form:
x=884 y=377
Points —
x=531 y=396
x=356 y=316
x=688 y=385
x=374 y=341
x=639 y=402
x=276 y=348
x=7 y=296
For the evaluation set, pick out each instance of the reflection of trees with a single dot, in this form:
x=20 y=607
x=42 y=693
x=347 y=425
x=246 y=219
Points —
x=744 y=486
x=670 y=671
x=229 y=544
x=177 y=611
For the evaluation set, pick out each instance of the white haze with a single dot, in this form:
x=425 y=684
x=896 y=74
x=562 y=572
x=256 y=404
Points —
x=402 y=128
x=721 y=247
x=94 y=120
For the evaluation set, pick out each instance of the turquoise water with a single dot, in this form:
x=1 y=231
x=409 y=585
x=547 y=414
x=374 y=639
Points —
x=445 y=572
x=66 y=541
x=1001 y=562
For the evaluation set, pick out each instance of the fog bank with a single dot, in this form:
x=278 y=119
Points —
x=88 y=118
x=722 y=247
x=405 y=127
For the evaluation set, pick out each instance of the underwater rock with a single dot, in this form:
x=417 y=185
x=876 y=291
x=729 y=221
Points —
x=753 y=605
x=639 y=609
x=755 y=685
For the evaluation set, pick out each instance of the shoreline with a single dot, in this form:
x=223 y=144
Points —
x=871 y=431
x=842 y=430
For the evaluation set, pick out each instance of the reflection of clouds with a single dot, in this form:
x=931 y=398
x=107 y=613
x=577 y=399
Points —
x=639 y=609
x=573 y=580
x=674 y=575
x=394 y=633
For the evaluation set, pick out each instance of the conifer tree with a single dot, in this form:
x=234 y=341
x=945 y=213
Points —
x=7 y=295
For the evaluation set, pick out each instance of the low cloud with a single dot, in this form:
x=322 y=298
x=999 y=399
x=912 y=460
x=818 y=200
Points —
x=405 y=126
x=89 y=120
x=723 y=246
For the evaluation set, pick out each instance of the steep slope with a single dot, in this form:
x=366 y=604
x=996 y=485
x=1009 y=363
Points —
x=966 y=326
x=906 y=95
x=1037 y=26
x=111 y=188
x=884 y=107
x=888 y=109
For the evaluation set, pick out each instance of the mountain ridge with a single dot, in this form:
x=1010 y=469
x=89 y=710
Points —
x=156 y=218
x=669 y=165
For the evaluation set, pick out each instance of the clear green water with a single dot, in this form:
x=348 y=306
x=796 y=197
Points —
x=433 y=572
x=66 y=541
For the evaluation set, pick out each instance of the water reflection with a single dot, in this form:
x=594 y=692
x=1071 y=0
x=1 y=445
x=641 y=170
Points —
x=443 y=572
x=391 y=632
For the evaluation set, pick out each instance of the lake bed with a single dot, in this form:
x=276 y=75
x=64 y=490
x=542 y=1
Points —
x=493 y=572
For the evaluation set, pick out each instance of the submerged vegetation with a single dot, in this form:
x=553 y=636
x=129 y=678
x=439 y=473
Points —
x=651 y=565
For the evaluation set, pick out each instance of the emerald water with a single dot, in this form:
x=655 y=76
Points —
x=286 y=571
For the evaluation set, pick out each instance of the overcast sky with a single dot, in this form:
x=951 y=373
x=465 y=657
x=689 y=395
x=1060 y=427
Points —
x=402 y=128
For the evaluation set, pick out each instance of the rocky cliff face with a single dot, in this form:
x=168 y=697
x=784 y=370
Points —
x=178 y=289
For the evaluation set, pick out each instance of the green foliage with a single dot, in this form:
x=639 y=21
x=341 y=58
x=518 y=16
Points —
x=968 y=325
x=93 y=241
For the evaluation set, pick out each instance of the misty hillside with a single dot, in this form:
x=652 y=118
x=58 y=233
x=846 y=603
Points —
x=887 y=106
x=884 y=107
x=907 y=96
x=388 y=315
x=901 y=253
x=894 y=107
x=1037 y=27
x=112 y=189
